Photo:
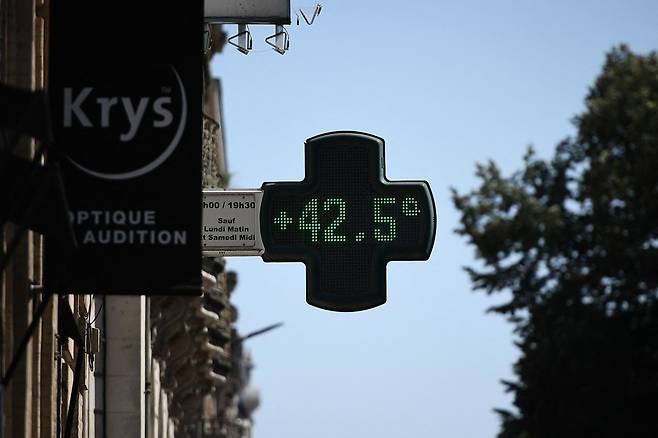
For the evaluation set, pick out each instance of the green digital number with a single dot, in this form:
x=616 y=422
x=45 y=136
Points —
x=381 y=219
x=308 y=219
x=329 y=235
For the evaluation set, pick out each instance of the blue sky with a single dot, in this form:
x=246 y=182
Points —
x=446 y=84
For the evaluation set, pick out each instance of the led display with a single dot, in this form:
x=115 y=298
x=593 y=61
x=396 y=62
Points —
x=346 y=221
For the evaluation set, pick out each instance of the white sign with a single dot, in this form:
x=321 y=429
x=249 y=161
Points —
x=247 y=11
x=231 y=222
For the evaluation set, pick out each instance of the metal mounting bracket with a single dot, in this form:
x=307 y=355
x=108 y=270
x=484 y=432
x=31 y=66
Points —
x=245 y=42
x=281 y=39
x=316 y=12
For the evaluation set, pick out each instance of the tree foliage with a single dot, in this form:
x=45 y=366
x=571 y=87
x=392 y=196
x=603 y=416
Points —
x=575 y=241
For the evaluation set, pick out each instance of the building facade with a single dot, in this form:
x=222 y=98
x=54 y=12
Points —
x=115 y=366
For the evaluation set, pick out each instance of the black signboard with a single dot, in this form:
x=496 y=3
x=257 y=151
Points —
x=125 y=81
x=346 y=221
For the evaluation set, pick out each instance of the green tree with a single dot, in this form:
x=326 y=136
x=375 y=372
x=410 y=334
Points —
x=575 y=241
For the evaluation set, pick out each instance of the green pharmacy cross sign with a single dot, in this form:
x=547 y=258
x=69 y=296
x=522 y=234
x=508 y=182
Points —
x=346 y=221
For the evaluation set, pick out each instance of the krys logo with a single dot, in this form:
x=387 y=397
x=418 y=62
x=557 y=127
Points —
x=123 y=125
